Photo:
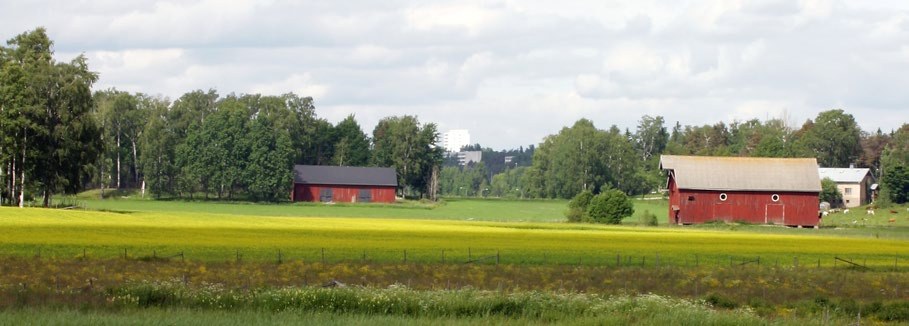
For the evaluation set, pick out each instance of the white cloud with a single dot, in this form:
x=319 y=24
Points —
x=511 y=71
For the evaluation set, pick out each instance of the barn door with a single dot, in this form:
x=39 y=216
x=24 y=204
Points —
x=722 y=212
x=775 y=213
x=326 y=195
x=364 y=195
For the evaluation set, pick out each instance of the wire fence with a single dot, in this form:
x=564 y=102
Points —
x=482 y=256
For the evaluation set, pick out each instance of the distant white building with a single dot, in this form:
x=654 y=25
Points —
x=854 y=184
x=465 y=158
x=455 y=139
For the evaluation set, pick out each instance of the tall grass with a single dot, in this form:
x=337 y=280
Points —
x=399 y=304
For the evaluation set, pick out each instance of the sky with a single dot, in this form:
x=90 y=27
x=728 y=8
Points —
x=511 y=72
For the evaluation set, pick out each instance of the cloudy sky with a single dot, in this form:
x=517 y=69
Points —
x=511 y=72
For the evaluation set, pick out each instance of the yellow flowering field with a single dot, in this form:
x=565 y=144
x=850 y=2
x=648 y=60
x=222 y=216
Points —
x=223 y=237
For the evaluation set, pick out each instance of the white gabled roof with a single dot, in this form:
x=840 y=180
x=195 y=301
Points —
x=743 y=173
x=840 y=175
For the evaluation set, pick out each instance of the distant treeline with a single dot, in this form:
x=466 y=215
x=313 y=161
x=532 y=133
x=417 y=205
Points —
x=584 y=157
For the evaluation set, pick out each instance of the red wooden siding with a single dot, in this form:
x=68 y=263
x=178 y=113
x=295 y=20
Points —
x=342 y=194
x=699 y=206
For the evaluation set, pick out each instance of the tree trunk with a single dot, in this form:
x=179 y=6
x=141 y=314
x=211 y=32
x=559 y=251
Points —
x=47 y=197
x=135 y=165
x=12 y=184
x=118 y=157
x=22 y=168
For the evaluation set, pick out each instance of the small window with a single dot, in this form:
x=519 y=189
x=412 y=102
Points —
x=690 y=198
x=775 y=198
x=723 y=197
x=848 y=191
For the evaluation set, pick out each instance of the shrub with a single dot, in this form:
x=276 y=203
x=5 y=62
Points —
x=829 y=192
x=649 y=218
x=577 y=207
x=610 y=207
x=719 y=301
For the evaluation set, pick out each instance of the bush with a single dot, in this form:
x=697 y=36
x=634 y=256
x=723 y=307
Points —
x=830 y=194
x=649 y=218
x=577 y=207
x=610 y=207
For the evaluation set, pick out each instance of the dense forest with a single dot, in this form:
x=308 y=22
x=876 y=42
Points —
x=57 y=136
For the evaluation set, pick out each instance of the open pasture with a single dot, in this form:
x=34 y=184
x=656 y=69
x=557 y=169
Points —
x=450 y=209
x=227 y=237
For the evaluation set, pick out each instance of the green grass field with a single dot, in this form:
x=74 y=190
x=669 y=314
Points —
x=219 y=237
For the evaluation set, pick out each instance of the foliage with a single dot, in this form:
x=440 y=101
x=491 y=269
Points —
x=577 y=207
x=650 y=219
x=896 y=181
x=830 y=193
x=582 y=157
x=409 y=147
x=834 y=138
x=610 y=207
x=49 y=136
x=351 y=145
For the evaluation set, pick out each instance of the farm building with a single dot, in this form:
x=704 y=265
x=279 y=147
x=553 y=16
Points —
x=756 y=190
x=854 y=184
x=347 y=184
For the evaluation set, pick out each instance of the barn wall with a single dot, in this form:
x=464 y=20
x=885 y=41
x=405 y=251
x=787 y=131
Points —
x=343 y=194
x=699 y=206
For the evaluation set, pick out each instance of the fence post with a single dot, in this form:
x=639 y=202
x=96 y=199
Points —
x=83 y=253
x=796 y=262
x=443 y=256
x=497 y=256
x=323 y=255
x=238 y=255
x=364 y=255
x=696 y=263
x=279 y=256
x=618 y=260
x=468 y=254
x=405 y=256
x=182 y=257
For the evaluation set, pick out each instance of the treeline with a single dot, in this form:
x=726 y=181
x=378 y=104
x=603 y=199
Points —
x=584 y=157
x=213 y=146
x=57 y=136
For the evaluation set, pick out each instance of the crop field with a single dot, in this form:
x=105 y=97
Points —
x=225 y=237
x=215 y=261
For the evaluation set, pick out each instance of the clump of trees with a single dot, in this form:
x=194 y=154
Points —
x=48 y=134
x=609 y=207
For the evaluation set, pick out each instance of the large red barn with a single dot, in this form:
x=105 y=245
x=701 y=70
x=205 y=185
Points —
x=344 y=184
x=756 y=190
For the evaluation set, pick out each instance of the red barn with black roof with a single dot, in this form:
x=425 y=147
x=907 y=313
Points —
x=344 y=184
